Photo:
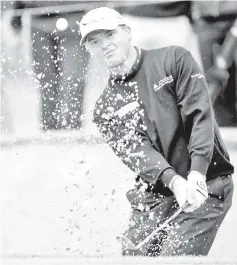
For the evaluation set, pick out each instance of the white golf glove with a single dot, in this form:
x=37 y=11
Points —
x=197 y=191
x=179 y=186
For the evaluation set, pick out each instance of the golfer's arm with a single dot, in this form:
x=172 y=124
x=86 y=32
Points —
x=136 y=151
x=196 y=111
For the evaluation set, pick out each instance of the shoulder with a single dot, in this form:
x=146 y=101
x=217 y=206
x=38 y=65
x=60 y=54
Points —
x=99 y=104
x=168 y=53
x=103 y=103
x=98 y=109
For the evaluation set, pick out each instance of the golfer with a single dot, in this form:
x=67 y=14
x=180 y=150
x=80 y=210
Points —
x=156 y=115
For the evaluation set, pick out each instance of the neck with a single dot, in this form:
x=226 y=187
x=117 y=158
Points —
x=127 y=65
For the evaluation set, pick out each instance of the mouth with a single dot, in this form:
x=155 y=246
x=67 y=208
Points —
x=108 y=53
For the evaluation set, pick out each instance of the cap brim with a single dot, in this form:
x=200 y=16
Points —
x=97 y=27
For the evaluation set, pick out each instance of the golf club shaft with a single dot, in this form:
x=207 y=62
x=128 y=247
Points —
x=172 y=217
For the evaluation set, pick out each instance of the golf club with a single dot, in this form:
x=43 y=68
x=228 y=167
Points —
x=127 y=243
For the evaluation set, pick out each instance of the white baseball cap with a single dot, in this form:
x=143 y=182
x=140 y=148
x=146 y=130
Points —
x=99 y=19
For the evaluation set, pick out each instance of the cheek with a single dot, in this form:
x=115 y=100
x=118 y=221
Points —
x=125 y=43
x=125 y=46
x=92 y=51
x=95 y=53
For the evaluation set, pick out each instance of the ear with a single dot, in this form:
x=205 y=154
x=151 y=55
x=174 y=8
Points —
x=129 y=32
x=86 y=47
x=128 y=29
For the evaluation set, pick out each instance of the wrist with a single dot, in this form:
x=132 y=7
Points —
x=171 y=184
x=199 y=164
x=167 y=176
x=195 y=173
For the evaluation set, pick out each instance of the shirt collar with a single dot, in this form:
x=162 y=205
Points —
x=135 y=68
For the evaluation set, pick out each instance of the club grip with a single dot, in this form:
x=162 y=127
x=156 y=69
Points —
x=184 y=206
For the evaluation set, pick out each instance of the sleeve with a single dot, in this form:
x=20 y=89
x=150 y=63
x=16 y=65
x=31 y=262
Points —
x=132 y=145
x=196 y=111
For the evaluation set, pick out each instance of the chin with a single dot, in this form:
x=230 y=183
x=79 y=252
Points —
x=114 y=63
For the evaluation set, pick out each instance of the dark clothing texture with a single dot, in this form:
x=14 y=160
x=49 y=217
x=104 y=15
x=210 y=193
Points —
x=209 y=35
x=213 y=9
x=159 y=10
x=167 y=127
x=59 y=64
x=189 y=233
x=212 y=22
x=159 y=120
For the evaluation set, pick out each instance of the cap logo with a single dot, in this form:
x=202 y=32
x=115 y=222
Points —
x=92 y=21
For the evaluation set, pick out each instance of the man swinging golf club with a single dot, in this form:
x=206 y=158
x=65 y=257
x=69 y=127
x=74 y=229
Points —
x=156 y=115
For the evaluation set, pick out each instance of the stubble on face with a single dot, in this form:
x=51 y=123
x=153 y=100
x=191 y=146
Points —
x=115 y=52
x=116 y=59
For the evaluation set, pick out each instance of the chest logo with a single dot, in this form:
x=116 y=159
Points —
x=164 y=81
x=127 y=108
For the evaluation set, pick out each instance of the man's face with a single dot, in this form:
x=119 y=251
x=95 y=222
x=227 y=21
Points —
x=112 y=46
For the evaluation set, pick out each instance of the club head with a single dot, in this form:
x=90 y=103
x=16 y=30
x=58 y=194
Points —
x=126 y=243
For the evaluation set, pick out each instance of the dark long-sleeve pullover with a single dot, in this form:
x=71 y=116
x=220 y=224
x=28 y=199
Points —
x=159 y=120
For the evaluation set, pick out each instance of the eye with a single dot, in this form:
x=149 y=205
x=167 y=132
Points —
x=93 y=42
x=110 y=33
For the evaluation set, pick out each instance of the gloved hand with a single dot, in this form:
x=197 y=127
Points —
x=179 y=186
x=197 y=191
